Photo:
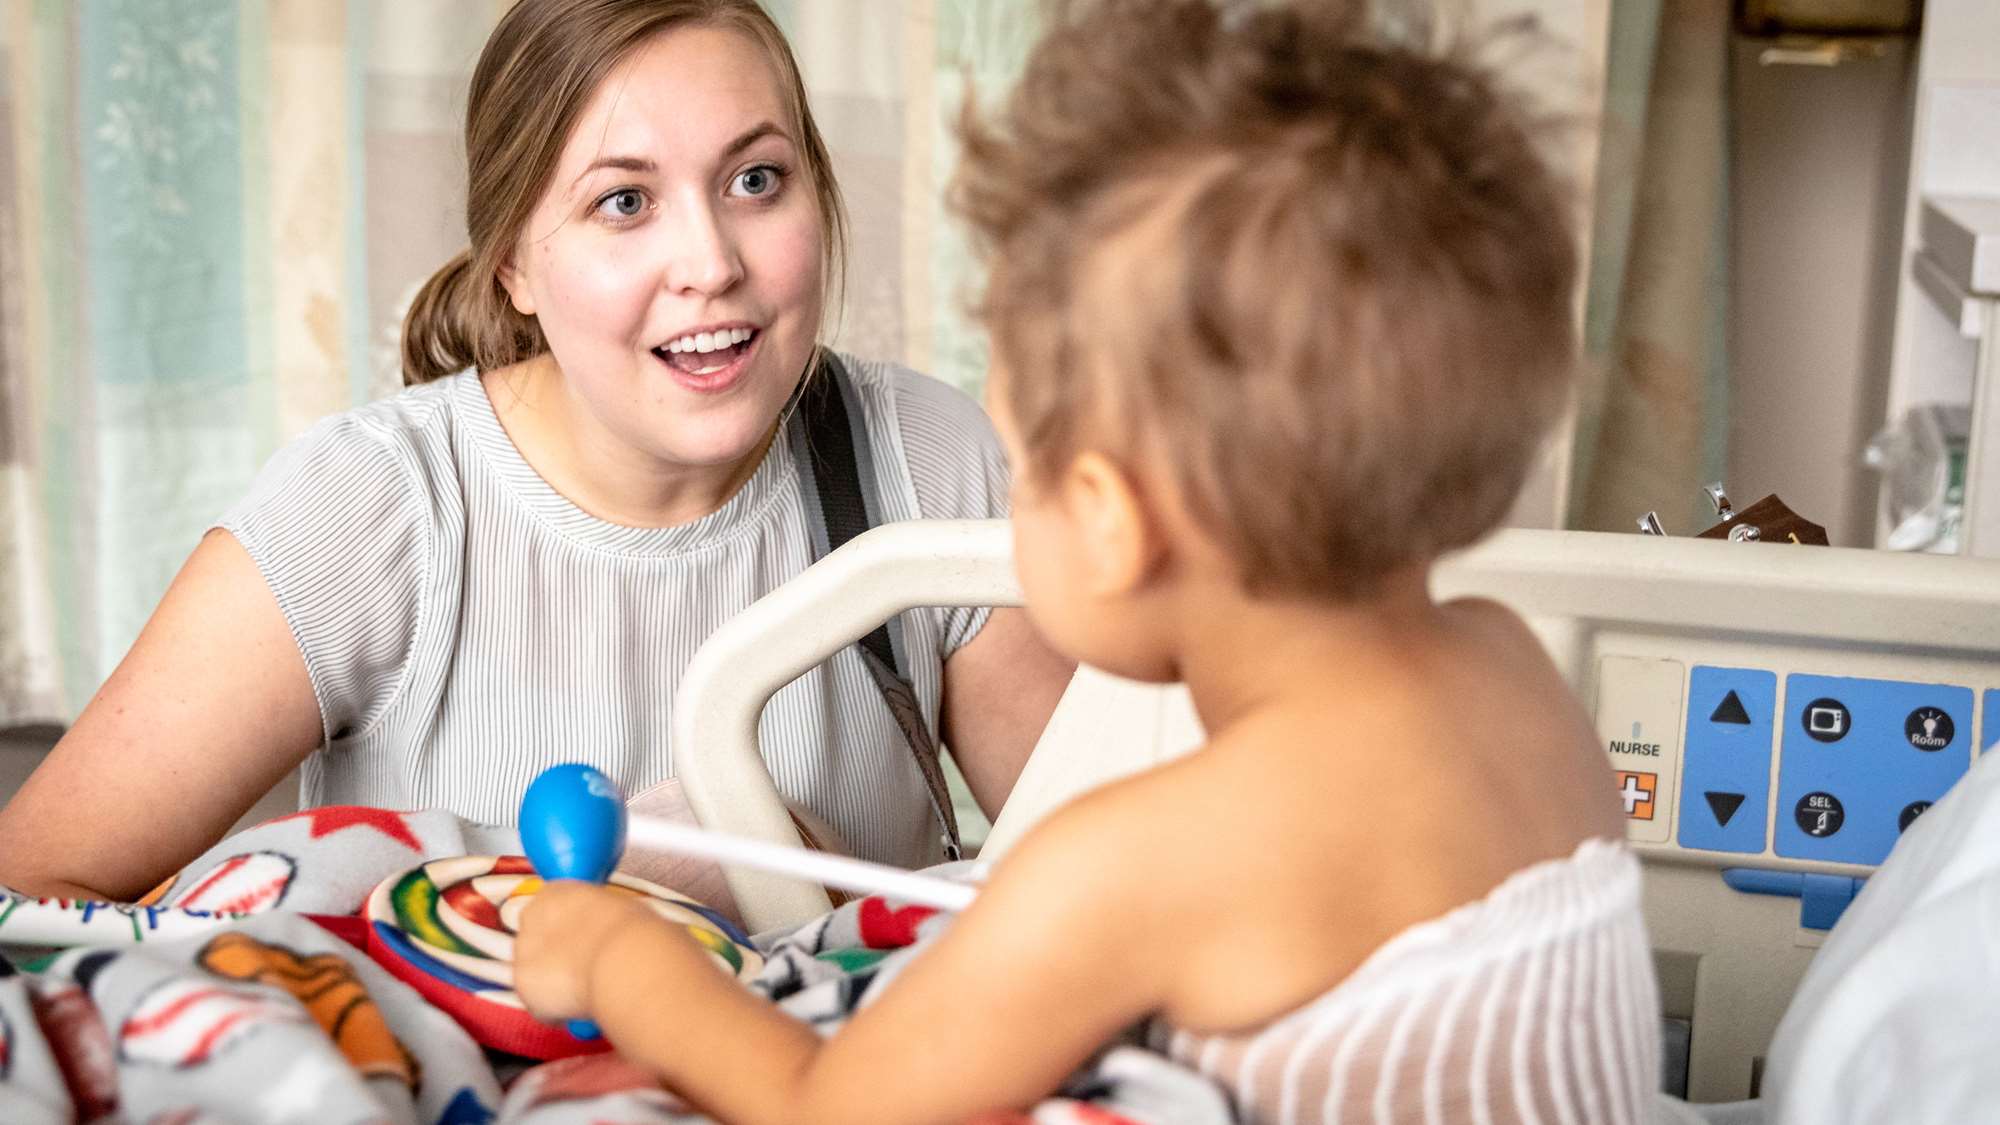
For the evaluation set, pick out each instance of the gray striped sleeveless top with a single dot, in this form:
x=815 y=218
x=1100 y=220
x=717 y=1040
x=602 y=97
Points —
x=465 y=626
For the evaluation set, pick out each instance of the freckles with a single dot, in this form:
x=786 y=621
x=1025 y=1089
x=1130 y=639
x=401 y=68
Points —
x=806 y=253
x=789 y=253
x=602 y=280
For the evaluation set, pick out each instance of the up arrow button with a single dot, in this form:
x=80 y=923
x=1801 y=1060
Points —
x=1730 y=710
x=1725 y=795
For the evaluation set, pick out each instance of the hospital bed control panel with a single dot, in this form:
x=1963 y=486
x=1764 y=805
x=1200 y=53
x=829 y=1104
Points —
x=1775 y=775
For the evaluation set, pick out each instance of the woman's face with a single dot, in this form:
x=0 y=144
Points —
x=674 y=260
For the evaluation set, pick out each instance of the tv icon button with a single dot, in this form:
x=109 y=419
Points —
x=1826 y=720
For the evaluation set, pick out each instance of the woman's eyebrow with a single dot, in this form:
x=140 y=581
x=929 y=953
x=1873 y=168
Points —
x=751 y=136
x=622 y=163
x=645 y=165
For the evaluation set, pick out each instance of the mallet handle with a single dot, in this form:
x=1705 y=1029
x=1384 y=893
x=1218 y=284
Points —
x=818 y=867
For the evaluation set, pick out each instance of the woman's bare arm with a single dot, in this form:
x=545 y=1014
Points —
x=999 y=690
x=210 y=709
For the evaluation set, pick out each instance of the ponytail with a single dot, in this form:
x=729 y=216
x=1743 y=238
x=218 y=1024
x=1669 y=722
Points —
x=456 y=322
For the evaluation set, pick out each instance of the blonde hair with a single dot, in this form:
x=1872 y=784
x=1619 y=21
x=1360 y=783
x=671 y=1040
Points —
x=1316 y=270
x=535 y=76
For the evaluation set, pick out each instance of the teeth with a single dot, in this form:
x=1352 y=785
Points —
x=709 y=341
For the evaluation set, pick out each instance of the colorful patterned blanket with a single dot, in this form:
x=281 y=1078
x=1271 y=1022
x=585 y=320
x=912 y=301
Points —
x=226 y=996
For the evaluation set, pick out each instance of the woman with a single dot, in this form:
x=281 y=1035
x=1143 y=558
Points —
x=428 y=599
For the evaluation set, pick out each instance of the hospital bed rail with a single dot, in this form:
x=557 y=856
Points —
x=783 y=635
x=1606 y=607
x=1571 y=586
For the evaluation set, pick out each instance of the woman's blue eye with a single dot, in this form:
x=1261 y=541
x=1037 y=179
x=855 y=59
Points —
x=761 y=180
x=623 y=204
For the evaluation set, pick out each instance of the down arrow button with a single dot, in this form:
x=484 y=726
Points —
x=1723 y=805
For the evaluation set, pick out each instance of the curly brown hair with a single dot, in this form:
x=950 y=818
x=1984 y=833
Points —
x=1306 y=259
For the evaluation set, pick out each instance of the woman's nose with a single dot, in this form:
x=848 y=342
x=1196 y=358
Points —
x=702 y=255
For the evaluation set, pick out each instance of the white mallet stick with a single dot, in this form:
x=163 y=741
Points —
x=818 y=867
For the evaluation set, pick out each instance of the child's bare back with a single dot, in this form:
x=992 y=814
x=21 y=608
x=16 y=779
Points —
x=1386 y=788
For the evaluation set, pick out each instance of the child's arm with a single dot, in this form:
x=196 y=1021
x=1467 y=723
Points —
x=1047 y=965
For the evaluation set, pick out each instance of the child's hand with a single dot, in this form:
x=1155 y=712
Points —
x=563 y=931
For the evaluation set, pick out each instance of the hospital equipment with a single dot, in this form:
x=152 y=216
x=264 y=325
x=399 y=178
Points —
x=1777 y=718
x=1945 y=349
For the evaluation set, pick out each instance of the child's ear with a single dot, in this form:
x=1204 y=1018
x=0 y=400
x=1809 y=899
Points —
x=1122 y=543
x=516 y=287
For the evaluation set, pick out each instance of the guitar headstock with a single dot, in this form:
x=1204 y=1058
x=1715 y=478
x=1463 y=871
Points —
x=1767 y=521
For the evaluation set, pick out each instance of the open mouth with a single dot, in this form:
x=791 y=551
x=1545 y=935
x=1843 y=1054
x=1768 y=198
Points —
x=703 y=354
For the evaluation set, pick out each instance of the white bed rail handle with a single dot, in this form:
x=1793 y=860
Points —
x=786 y=633
x=1578 y=581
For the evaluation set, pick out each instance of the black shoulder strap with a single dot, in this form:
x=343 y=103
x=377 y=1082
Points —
x=839 y=451
x=840 y=478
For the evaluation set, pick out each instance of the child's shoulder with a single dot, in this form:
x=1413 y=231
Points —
x=1487 y=760
x=1184 y=839
x=1122 y=840
x=1496 y=622
x=1217 y=877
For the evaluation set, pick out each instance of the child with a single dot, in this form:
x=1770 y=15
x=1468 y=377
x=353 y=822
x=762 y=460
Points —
x=1281 y=307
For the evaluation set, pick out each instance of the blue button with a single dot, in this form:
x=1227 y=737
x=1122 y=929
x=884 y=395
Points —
x=1856 y=754
x=1726 y=783
x=1989 y=719
x=1757 y=881
x=1822 y=898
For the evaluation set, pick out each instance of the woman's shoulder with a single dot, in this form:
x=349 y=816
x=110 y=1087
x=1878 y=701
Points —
x=348 y=523
x=914 y=401
x=943 y=439
x=389 y=455
x=419 y=413
x=403 y=429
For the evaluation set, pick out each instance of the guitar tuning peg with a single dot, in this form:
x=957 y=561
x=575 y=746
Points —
x=1723 y=510
x=1649 y=524
x=1745 y=533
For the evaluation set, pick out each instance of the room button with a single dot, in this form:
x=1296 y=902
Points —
x=1928 y=728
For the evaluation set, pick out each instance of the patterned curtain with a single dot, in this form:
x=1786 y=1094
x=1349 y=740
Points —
x=886 y=81
x=214 y=212
x=1653 y=422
